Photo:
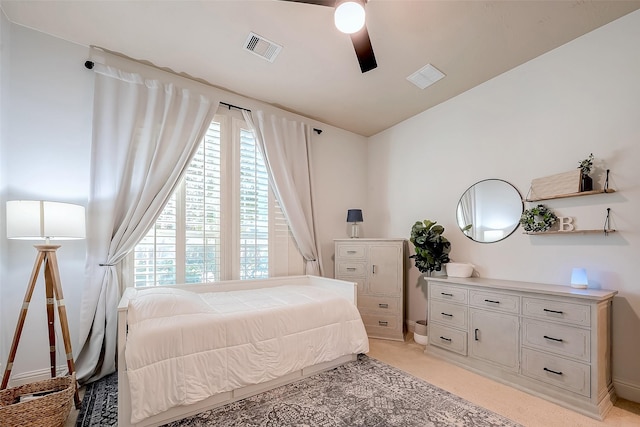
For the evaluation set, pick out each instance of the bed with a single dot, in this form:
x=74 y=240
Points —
x=184 y=349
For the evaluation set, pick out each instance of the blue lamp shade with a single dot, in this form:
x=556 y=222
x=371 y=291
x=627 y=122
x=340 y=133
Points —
x=354 y=215
x=579 y=278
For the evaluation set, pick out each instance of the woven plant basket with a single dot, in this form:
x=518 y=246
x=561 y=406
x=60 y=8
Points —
x=52 y=409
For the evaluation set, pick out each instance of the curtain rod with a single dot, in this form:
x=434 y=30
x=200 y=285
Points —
x=230 y=106
x=89 y=65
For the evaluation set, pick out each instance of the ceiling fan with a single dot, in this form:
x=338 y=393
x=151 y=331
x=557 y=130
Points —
x=348 y=12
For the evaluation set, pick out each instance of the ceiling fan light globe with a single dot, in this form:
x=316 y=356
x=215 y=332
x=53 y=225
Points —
x=349 y=17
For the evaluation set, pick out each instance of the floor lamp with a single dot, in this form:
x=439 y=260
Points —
x=40 y=220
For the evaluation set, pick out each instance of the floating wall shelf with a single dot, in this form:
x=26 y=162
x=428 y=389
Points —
x=582 y=193
x=532 y=233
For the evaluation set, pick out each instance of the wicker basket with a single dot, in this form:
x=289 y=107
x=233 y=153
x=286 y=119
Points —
x=52 y=409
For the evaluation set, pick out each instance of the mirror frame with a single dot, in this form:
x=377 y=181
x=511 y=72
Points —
x=507 y=234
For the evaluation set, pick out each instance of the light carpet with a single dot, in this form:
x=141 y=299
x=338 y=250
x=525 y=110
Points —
x=365 y=393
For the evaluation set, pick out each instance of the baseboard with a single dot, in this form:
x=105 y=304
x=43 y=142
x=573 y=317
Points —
x=627 y=390
x=33 y=376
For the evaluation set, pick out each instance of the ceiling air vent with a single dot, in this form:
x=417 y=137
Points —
x=425 y=76
x=262 y=47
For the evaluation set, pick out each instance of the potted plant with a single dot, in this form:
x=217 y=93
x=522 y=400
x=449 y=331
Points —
x=431 y=247
x=586 y=182
x=432 y=251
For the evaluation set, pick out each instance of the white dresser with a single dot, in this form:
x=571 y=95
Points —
x=377 y=266
x=549 y=340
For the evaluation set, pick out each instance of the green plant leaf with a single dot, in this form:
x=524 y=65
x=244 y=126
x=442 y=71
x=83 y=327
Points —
x=438 y=229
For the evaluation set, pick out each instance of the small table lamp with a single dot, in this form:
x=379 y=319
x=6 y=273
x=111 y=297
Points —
x=579 y=278
x=354 y=216
x=40 y=220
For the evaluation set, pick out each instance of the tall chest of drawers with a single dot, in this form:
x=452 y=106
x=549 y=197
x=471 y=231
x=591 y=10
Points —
x=552 y=341
x=377 y=266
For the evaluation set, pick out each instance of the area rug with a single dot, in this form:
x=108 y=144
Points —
x=365 y=393
x=100 y=403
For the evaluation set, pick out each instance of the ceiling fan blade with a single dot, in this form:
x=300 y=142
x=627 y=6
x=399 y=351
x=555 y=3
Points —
x=364 y=50
x=360 y=39
x=330 y=3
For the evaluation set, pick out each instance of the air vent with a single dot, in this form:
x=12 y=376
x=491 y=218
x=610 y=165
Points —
x=425 y=76
x=262 y=47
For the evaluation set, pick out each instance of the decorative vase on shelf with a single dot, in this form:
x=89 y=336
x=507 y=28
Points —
x=586 y=183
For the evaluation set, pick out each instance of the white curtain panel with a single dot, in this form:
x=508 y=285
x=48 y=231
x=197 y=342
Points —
x=285 y=145
x=468 y=213
x=145 y=132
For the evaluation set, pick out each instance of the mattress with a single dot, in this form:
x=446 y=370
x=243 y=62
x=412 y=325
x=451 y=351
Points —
x=183 y=347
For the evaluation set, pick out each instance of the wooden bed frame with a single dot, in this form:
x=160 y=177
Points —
x=347 y=289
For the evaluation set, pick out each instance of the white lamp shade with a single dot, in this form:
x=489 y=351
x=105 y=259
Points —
x=38 y=220
x=349 y=17
x=579 y=278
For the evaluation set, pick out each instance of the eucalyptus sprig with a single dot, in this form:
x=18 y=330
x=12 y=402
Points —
x=586 y=165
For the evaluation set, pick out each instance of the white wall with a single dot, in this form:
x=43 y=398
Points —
x=4 y=40
x=536 y=120
x=339 y=170
x=45 y=154
x=46 y=124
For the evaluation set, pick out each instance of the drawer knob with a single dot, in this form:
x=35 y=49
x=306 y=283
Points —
x=492 y=301
x=552 y=311
x=351 y=268
x=552 y=371
x=382 y=305
x=351 y=252
x=383 y=323
x=447 y=314
x=553 y=339
x=445 y=339
x=446 y=294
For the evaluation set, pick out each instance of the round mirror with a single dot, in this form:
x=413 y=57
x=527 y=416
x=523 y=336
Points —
x=489 y=210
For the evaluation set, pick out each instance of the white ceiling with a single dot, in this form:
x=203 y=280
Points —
x=316 y=74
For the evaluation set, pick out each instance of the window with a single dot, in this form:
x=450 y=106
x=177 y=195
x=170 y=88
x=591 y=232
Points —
x=222 y=222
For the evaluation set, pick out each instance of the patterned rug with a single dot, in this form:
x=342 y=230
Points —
x=100 y=403
x=365 y=393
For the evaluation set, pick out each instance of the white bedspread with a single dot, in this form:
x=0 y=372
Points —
x=183 y=347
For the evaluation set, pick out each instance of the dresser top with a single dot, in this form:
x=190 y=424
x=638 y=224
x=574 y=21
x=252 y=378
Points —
x=512 y=285
x=370 y=239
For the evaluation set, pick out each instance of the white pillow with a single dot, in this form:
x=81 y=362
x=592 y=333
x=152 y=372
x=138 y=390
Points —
x=164 y=302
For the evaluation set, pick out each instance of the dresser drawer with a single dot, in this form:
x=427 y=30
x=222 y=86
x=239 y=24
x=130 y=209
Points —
x=381 y=305
x=450 y=314
x=447 y=338
x=495 y=301
x=560 y=311
x=448 y=293
x=380 y=321
x=563 y=373
x=351 y=251
x=558 y=339
x=350 y=269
